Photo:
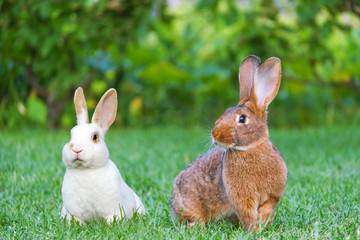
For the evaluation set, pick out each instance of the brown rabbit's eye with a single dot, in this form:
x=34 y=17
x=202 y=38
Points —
x=242 y=118
x=95 y=137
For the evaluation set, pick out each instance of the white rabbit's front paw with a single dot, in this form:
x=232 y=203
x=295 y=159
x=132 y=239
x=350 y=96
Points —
x=65 y=214
x=110 y=219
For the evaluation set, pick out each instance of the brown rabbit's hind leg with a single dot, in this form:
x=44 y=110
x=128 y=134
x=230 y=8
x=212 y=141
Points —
x=188 y=217
x=267 y=209
x=198 y=222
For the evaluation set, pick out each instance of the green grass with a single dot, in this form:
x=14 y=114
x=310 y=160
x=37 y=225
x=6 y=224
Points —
x=321 y=200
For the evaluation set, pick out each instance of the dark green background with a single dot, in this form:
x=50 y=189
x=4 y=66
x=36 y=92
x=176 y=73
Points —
x=176 y=64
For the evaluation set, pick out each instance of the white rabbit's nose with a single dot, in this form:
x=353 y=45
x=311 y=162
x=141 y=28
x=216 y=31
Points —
x=77 y=148
x=77 y=151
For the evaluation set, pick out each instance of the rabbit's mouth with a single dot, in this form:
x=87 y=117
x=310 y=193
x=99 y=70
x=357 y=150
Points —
x=222 y=145
x=78 y=160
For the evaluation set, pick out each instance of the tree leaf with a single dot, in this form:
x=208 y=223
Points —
x=36 y=109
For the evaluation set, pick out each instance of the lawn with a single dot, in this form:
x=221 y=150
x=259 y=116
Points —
x=321 y=200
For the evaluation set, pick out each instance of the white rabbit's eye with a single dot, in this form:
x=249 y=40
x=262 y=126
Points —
x=242 y=119
x=95 y=137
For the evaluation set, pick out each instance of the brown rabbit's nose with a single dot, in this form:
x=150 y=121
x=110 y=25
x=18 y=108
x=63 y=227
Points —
x=215 y=133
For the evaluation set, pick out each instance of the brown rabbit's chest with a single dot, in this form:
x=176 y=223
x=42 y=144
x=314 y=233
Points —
x=252 y=176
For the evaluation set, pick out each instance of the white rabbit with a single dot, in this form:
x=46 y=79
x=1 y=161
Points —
x=93 y=187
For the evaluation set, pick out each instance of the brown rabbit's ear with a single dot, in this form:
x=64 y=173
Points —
x=80 y=106
x=266 y=82
x=246 y=76
x=105 y=111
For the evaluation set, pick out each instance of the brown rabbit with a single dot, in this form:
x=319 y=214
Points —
x=244 y=176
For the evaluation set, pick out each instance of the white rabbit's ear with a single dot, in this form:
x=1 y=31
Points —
x=80 y=106
x=105 y=111
x=246 y=75
x=266 y=82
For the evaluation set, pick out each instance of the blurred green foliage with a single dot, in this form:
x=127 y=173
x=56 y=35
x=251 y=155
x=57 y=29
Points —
x=176 y=64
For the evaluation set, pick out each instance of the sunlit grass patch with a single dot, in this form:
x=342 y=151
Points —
x=322 y=198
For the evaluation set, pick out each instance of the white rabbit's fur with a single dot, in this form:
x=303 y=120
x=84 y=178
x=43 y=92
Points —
x=93 y=187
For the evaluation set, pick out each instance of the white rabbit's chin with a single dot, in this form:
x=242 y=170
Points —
x=78 y=163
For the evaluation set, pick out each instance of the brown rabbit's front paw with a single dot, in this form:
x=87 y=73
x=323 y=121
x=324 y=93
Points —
x=267 y=209
x=254 y=227
x=250 y=226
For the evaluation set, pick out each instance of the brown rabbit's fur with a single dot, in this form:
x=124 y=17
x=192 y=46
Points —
x=244 y=176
